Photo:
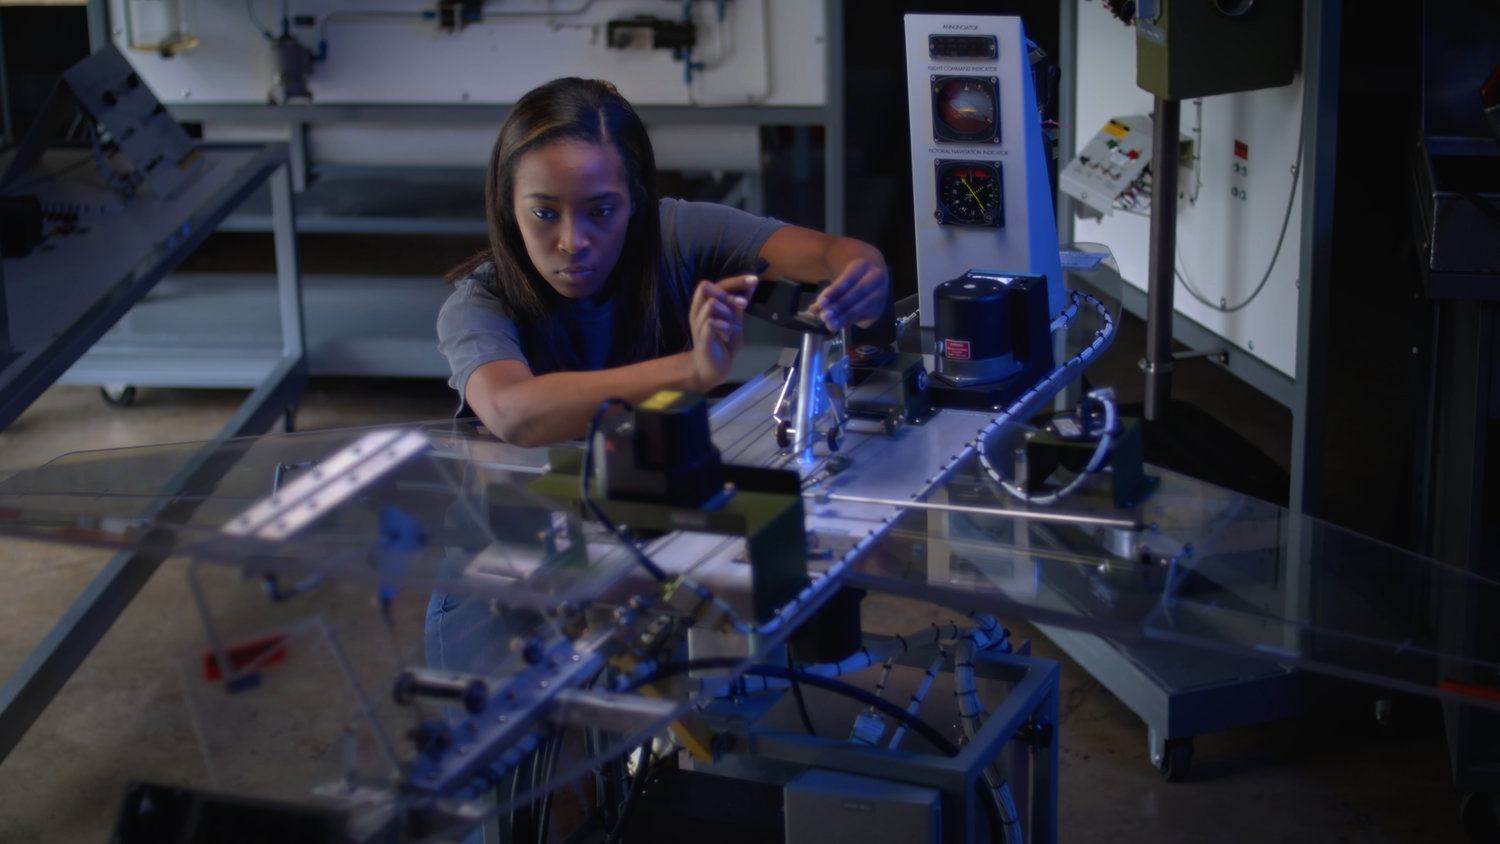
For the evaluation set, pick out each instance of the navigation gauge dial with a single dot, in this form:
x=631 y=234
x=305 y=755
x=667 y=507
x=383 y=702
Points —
x=966 y=109
x=969 y=193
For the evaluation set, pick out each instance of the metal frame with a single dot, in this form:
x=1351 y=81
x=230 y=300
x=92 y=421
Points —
x=830 y=115
x=1181 y=691
x=1320 y=67
x=31 y=688
x=1305 y=394
x=19 y=388
x=324 y=211
x=1177 y=702
x=1466 y=404
x=1030 y=707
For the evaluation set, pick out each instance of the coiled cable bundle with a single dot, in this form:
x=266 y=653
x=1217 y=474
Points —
x=1097 y=416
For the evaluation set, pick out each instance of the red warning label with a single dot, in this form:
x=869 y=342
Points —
x=956 y=349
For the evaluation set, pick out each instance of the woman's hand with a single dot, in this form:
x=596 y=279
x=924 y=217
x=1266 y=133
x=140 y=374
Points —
x=857 y=296
x=717 y=317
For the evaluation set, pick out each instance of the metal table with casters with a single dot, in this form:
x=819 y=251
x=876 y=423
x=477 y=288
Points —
x=102 y=255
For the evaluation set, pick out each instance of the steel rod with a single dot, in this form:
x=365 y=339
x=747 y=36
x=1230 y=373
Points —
x=809 y=369
x=1164 y=151
x=1033 y=515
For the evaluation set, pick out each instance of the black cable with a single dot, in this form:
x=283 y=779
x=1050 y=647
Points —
x=797 y=694
x=583 y=490
x=515 y=816
x=1181 y=274
x=549 y=766
x=637 y=786
x=917 y=725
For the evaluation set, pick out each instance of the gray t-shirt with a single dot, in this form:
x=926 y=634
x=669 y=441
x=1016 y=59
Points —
x=700 y=240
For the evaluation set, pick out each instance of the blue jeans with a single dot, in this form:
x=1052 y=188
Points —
x=464 y=634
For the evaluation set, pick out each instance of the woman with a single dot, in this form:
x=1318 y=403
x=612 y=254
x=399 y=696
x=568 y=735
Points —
x=593 y=287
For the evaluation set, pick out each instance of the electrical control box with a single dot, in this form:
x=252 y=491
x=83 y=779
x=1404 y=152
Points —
x=1199 y=48
x=979 y=167
x=1237 y=255
x=1109 y=163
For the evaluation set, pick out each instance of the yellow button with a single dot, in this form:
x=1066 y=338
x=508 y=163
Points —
x=662 y=400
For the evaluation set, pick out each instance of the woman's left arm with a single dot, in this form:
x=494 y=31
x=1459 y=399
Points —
x=860 y=280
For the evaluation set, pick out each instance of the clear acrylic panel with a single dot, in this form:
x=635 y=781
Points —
x=317 y=680
x=1197 y=565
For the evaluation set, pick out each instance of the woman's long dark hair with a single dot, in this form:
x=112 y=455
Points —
x=590 y=110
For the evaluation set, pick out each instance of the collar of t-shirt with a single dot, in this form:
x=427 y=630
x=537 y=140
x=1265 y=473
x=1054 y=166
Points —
x=592 y=330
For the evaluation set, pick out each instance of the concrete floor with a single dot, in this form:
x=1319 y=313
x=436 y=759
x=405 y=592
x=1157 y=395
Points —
x=1330 y=775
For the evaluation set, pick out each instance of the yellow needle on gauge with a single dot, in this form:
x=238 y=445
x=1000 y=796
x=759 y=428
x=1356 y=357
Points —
x=976 y=198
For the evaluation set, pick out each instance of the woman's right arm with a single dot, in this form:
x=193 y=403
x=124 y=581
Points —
x=532 y=410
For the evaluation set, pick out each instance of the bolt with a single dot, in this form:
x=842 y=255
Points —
x=187 y=92
x=1252 y=345
x=119 y=30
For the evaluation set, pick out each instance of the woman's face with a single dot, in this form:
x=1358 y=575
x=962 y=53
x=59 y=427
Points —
x=572 y=204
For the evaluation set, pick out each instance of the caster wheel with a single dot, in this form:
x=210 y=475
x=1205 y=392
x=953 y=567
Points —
x=784 y=433
x=1479 y=813
x=118 y=395
x=1176 y=760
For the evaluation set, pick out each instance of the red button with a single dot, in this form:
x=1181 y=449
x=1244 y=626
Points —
x=1132 y=155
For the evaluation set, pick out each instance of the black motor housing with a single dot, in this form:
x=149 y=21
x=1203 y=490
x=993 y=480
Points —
x=993 y=335
x=660 y=451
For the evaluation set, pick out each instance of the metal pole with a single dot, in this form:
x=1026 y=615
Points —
x=833 y=119
x=1321 y=21
x=809 y=370
x=1158 y=361
x=998 y=512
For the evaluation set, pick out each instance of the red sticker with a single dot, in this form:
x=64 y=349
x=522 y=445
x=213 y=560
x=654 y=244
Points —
x=1242 y=150
x=956 y=349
